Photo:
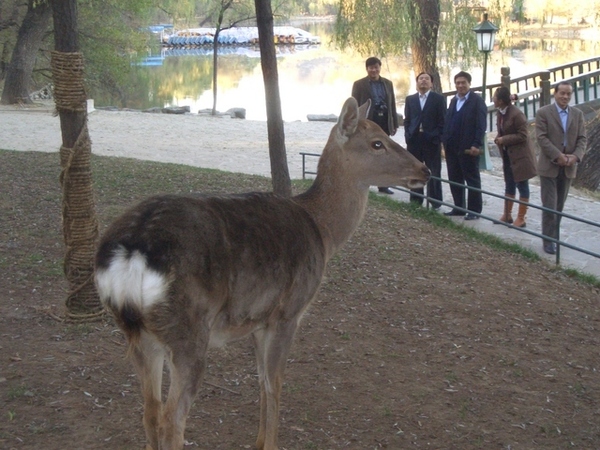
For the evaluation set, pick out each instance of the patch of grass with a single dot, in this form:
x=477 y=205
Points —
x=578 y=389
x=80 y=329
x=451 y=377
x=583 y=277
x=18 y=392
x=490 y=240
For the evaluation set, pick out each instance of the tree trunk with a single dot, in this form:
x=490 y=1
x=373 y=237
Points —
x=425 y=15
x=279 y=169
x=215 y=68
x=22 y=62
x=588 y=172
x=80 y=227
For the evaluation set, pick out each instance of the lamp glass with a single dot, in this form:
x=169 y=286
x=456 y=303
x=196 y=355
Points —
x=485 y=40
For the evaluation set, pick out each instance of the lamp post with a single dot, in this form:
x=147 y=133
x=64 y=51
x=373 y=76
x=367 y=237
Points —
x=486 y=34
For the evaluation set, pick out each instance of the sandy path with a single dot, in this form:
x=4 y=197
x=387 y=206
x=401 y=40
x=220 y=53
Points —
x=218 y=143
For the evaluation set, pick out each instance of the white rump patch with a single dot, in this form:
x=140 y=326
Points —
x=130 y=280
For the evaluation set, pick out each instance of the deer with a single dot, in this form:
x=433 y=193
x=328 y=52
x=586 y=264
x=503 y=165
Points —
x=182 y=274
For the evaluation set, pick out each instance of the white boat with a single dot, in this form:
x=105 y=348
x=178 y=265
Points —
x=192 y=37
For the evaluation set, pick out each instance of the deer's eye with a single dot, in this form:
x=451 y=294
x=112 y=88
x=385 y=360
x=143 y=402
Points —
x=377 y=145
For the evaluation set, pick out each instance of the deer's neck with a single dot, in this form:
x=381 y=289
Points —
x=337 y=204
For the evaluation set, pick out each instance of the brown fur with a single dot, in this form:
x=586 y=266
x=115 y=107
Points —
x=238 y=265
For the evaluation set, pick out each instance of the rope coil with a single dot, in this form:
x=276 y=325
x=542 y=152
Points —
x=80 y=225
x=69 y=89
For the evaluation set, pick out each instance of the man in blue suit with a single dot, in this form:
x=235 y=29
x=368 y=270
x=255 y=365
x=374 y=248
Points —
x=424 y=114
x=464 y=132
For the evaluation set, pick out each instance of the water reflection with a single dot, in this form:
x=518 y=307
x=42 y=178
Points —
x=312 y=79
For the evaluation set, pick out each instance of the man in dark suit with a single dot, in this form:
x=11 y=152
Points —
x=424 y=114
x=383 y=101
x=464 y=131
x=560 y=131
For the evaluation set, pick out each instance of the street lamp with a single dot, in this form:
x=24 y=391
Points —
x=486 y=34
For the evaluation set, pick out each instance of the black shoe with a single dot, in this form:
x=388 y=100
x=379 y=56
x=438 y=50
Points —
x=471 y=216
x=550 y=248
x=386 y=190
x=454 y=212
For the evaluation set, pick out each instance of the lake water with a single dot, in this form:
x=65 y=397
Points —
x=314 y=79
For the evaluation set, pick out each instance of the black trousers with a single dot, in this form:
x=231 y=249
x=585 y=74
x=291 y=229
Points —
x=431 y=155
x=464 y=169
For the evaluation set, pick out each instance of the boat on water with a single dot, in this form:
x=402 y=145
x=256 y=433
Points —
x=196 y=37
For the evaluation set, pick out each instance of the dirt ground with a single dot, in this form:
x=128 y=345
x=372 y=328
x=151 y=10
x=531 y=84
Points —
x=419 y=338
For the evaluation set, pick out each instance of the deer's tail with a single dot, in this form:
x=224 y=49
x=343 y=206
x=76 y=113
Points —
x=128 y=287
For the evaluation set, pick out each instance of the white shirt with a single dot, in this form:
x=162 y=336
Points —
x=423 y=98
x=461 y=101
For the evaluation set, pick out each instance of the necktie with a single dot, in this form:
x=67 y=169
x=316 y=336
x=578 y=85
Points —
x=422 y=99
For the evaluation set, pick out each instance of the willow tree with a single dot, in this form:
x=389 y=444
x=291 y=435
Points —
x=400 y=27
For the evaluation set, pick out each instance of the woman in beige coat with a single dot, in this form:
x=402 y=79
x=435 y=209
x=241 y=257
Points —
x=518 y=157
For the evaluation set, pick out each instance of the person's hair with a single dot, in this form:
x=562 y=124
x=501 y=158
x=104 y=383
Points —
x=562 y=83
x=372 y=61
x=503 y=94
x=463 y=74
x=425 y=73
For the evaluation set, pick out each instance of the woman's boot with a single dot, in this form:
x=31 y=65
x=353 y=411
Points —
x=520 y=222
x=508 y=206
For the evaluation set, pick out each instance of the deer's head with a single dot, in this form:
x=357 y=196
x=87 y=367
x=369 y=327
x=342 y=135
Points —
x=370 y=156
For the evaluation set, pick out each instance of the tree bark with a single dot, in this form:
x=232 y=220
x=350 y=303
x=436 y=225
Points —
x=425 y=15
x=279 y=168
x=588 y=172
x=29 y=38
x=80 y=227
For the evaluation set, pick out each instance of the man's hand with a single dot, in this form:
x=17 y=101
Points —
x=473 y=151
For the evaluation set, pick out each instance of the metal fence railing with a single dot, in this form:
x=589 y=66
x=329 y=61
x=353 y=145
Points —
x=559 y=243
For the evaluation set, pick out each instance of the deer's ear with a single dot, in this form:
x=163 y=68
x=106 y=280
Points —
x=363 y=111
x=348 y=119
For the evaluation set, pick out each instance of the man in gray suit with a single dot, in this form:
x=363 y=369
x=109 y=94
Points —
x=560 y=131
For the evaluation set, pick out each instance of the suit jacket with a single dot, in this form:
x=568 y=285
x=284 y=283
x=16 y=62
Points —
x=361 y=91
x=472 y=127
x=550 y=137
x=430 y=119
x=516 y=142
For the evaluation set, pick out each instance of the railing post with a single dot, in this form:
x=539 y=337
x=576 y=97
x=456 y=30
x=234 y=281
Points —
x=545 y=85
x=505 y=78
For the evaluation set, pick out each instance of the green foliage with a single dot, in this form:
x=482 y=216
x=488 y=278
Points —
x=111 y=32
x=379 y=27
x=385 y=28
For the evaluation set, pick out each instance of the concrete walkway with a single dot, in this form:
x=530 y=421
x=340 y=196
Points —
x=572 y=232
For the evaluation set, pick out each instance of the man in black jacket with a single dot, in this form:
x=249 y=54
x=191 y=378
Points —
x=424 y=114
x=383 y=101
x=464 y=132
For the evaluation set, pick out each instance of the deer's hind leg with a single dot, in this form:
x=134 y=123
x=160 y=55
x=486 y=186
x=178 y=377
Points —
x=187 y=362
x=148 y=358
x=272 y=346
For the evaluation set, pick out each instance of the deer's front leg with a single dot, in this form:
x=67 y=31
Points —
x=272 y=346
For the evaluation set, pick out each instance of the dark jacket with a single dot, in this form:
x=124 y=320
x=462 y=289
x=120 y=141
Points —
x=472 y=127
x=361 y=91
x=431 y=118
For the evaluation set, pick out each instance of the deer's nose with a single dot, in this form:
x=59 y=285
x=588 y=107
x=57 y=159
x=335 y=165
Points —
x=426 y=171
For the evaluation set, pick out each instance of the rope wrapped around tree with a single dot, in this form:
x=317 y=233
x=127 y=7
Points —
x=80 y=226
